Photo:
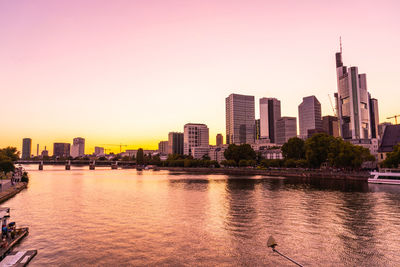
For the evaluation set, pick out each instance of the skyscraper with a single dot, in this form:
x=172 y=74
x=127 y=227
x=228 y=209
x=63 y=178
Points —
x=78 y=147
x=26 y=148
x=195 y=135
x=270 y=112
x=257 y=134
x=374 y=116
x=352 y=102
x=61 y=150
x=286 y=128
x=240 y=119
x=175 y=143
x=330 y=125
x=309 y=116
x=219 y=140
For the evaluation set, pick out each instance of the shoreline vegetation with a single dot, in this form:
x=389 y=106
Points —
x=17 y=180
x=289 y=173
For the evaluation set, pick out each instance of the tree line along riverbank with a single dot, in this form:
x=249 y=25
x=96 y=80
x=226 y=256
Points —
x=293 y=173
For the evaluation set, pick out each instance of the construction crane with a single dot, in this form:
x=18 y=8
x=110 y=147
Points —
x=333 y=110
x=393 y=117
x=120 y=146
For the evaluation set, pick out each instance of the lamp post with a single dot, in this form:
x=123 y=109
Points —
x=271 y=243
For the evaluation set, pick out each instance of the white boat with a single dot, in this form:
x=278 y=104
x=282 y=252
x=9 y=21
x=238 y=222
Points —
x=385 y=176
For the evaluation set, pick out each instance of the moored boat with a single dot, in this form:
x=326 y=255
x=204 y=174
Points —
x=385 y=176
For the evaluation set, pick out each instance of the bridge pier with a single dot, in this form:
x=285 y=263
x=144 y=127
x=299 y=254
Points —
x=114 y=166
x=92 y=165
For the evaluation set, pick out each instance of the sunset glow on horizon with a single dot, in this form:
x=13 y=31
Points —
x=129 y=72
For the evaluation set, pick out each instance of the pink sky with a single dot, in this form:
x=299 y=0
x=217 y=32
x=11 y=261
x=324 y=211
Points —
x=131 y=71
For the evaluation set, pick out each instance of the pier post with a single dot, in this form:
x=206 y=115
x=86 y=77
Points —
x=41 y=166
x=68 y=165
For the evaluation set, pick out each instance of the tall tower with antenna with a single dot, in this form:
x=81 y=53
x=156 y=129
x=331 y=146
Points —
x=352 y=101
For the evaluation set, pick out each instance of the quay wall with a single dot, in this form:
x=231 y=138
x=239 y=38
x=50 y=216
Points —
x=12 y=191
x=295 y=173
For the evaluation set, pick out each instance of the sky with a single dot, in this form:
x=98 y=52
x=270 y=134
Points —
x=129 y=72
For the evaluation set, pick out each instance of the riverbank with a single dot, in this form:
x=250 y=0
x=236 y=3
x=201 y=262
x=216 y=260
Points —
x=293 y=173
x=12 y=191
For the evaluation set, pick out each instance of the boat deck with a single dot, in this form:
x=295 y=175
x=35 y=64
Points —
x=11 y=242
x=18 y=258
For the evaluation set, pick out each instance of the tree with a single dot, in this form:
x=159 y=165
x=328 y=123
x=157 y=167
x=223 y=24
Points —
x=393 y=158
x=294 y=148
x=317 y=149
x=10 y=153
x=237 y=153
x=140 y=157
x=7 y=157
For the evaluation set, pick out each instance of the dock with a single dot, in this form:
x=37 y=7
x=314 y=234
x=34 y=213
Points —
x=11 y=242
x=12 y=191
x=18 y=258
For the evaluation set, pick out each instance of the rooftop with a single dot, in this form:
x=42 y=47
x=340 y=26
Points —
x=390 y=138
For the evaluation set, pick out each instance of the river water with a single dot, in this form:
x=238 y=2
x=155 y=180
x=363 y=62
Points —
x=158 y=218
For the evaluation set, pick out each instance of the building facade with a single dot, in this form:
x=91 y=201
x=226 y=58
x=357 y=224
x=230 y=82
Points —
x=195 y=135
x=217 y=153
x=257 y=135
x=99 y=151
x=286 y=128
x=240 y=119
x=352 y=102
x=330 y=125
x=309 y=116
x=219 y=140
x=78 y=147
x=61 y=150
x=374 y=116
x=175 y=143
x=26 y=148
x=270 y=112
x=163 y=147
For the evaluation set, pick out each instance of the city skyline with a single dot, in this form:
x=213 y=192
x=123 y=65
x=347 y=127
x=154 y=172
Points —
x=134 y=85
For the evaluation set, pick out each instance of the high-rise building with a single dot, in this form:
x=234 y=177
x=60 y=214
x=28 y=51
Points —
x=374 y=116
x=257 y=135
x=240 y=119
x=352 y=102
x=163 y=147
x=330 y=125
x=99 y=151
x=195 y=135
x=175 y=143
x=286 y=128
x=219 y=140
x=26 y=148
x=270 y=112
x=61 y=150
x=309 y=116
x=78 y=147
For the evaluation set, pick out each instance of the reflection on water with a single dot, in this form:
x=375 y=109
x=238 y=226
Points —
x=121 y=217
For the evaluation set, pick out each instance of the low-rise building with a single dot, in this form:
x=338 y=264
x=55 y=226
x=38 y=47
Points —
x=370 y=144
x=391 y=137
x=217 y=153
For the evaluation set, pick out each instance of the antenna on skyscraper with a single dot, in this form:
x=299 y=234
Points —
x=340 y=38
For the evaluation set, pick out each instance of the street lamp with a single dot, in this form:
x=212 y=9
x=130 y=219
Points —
x=271 y=243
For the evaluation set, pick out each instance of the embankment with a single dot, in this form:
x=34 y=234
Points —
x=12 y=191
x=299 y=173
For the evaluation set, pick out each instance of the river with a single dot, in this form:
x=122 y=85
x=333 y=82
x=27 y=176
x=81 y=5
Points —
x=120 y=217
